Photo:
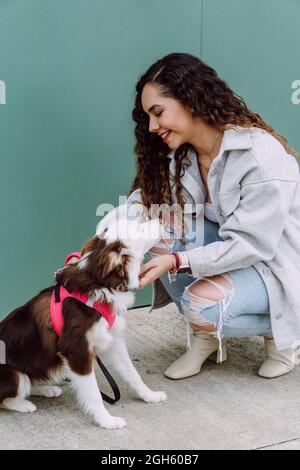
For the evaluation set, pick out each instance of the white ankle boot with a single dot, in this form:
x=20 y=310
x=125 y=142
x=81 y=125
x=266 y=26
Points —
x=276 y=363
x=203 y=346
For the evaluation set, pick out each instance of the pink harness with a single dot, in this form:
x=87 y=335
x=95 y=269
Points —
x=60 y=293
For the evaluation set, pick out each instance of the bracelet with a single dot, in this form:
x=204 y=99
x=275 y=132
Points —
x=177 y=260
x=181 y=263
x=172 y=273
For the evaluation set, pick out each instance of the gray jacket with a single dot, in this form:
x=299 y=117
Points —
x=255 y=189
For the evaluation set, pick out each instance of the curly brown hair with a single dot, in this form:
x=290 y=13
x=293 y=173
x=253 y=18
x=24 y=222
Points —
x=199 y=89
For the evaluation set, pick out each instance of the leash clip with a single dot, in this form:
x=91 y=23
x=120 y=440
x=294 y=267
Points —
x=56 y=273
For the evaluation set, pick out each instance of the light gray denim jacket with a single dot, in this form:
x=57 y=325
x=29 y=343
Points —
x=255 y=189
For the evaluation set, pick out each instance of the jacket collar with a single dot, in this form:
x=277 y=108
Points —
x=237 y=138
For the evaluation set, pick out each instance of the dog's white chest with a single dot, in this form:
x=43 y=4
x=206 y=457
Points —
x=101 y=338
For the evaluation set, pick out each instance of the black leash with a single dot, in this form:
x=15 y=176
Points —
x=106 y=374
x=111 y=382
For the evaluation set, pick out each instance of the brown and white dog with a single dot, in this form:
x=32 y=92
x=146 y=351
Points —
x=36 y=358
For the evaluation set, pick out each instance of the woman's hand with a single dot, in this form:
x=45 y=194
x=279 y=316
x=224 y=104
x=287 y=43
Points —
x=154 y=268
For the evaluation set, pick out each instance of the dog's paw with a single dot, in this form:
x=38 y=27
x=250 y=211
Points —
x=26 y=407
x=154 y=397
x=111 y=422
x=48 y=391
x=23 y=406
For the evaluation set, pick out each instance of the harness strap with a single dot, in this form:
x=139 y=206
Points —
x=57 y=292
x=109 y=378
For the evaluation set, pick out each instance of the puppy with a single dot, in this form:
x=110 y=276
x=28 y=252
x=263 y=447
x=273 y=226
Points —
x=38 y=356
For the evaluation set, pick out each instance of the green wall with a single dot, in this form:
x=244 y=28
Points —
x=255 y=46
x=70 y=67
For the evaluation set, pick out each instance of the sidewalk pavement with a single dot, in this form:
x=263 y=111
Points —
x=224 y=407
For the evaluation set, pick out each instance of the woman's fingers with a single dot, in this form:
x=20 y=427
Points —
x=154 y=269
x=146 y=279
x=148 y=274
x=145 y=267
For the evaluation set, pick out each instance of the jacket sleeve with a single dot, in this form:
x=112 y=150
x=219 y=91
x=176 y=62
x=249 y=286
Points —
x=251 y=233
x=135 y=206
x=134 y=197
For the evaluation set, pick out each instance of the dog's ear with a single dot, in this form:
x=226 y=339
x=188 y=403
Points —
x=94 y=243
x=114 y=259
x=102 y=234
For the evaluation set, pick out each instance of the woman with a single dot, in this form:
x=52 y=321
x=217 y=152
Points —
x=200 y=146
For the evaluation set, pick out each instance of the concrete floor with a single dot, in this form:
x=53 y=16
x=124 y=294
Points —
x=224 y=407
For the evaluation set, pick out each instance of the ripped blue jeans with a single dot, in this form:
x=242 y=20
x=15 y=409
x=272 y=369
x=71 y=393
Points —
x=243 y=305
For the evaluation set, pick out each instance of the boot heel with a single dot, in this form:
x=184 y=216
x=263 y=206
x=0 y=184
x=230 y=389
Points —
x=216 y=357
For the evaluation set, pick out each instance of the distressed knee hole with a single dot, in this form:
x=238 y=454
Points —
x=205 y=326
x=193 y=312
x=198 y=321
x=200 y=295
x=207 y=290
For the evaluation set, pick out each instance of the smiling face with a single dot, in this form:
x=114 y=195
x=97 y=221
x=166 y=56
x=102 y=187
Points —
x=168 y=118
